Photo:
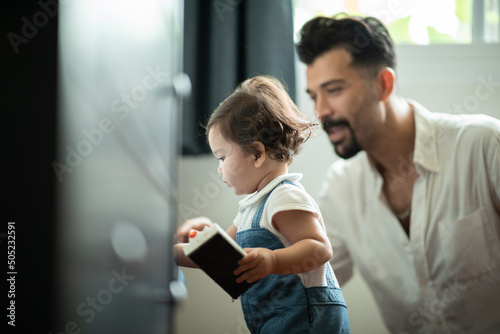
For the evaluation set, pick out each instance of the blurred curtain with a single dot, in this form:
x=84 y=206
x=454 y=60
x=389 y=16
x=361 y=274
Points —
x=225 y=42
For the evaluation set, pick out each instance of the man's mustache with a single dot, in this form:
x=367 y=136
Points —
x=329 y=123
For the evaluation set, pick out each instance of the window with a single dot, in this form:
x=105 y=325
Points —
x=417 y=22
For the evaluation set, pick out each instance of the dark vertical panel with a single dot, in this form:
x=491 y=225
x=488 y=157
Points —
x=29 y=71
x=268 y=39
x=226 y=42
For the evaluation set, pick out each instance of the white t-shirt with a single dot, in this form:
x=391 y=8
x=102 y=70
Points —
x=285 y=197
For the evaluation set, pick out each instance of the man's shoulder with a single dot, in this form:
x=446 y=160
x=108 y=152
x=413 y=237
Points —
x=470 y=122
x=470 y=129
x=456 y=121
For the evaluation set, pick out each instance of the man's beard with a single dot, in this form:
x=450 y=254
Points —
x=352 y=147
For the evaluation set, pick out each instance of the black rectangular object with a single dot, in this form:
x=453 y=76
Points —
x=218 y=259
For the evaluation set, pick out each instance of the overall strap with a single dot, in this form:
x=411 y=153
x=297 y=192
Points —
x=258 y=214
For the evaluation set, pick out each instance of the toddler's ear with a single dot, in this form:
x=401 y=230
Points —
x=260 y=155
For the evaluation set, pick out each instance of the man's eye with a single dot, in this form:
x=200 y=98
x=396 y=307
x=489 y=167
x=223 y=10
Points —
x=333 y=90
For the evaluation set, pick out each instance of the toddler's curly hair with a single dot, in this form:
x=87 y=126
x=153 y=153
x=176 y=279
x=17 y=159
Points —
x=260 y=109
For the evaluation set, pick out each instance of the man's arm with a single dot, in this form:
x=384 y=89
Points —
x=341 y=260
x=495 y=172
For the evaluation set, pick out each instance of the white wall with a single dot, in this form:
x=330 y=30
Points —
x=444 y=79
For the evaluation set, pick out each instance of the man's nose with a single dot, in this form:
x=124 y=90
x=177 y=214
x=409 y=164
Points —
x=322 y=107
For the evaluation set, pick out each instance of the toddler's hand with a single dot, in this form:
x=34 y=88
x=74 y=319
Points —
x=197 y=224
x=257 y=264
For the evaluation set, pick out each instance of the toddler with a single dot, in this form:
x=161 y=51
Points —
x=254 y=134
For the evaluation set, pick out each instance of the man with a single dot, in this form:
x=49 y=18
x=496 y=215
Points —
x=414 y=203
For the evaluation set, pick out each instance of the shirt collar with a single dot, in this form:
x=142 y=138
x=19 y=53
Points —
x=425 y=151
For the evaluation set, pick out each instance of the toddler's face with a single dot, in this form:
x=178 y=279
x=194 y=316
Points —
x=236 y=166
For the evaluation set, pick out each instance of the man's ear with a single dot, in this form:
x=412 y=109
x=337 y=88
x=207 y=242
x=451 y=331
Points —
x=386 y=79
x=261 y=154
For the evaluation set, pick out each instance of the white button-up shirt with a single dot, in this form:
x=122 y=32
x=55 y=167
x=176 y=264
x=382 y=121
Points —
x=445 y=278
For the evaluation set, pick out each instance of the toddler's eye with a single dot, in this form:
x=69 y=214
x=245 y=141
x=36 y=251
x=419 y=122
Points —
x=222 y=158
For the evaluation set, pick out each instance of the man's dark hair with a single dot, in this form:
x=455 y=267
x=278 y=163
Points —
x=366 y=39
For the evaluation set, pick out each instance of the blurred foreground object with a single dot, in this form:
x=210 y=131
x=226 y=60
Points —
x=120 y=100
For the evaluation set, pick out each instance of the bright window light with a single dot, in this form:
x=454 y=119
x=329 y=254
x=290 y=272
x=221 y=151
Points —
x=417 y=22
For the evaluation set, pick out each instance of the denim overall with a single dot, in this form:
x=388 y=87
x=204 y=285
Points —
x=280 y=303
